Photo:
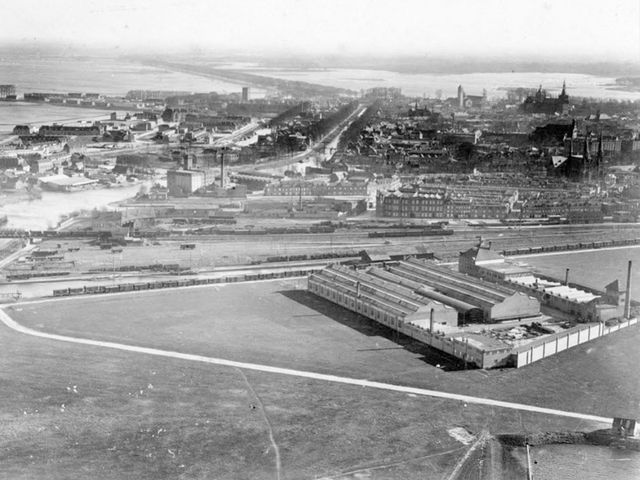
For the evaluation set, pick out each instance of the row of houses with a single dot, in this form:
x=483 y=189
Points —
x=316 y=189
x=416 y=201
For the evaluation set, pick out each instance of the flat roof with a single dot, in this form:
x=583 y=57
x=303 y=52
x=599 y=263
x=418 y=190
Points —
x=506 y=268
x=482 y=341
x=65 y=181
x=573 y=294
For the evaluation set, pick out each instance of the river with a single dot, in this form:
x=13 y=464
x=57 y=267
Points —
x=45 y=212
x=418 y=84
x=108 y=76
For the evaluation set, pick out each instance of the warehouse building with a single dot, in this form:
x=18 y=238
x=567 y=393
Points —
x=388 y=303
x=404 y=306
x=497 y=303
x=581 y=303
x=184 y=182
x=483 y=262
x=448 y=310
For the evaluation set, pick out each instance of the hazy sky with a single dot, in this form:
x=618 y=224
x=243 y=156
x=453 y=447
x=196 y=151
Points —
x=602 y=29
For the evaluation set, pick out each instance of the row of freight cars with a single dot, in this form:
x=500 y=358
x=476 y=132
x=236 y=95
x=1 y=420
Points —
x=29 y=275
x=131 y=287
x=263 y=231
x=572 y=246
x=313 y=256
x=380 y=225
x=14 y=233
x=410 y=232
x=156 y=267
x=19 y=233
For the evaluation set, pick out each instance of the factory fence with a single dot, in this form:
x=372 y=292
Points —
x=572 y=337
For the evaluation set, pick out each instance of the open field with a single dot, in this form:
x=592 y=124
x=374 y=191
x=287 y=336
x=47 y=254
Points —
x=276 y=323
x=77 y=411
x=595 y=268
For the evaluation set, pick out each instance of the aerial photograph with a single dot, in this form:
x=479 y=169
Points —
x=320 y=240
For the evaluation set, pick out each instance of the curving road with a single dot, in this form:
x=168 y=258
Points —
x=12 y=324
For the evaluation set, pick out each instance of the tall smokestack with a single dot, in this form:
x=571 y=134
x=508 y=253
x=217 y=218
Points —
x=431 y=321
x=566 y=277
x=222 y=170
x=627 y=298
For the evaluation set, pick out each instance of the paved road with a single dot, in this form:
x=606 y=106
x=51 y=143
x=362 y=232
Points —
x=12 y=324
x=15 y=255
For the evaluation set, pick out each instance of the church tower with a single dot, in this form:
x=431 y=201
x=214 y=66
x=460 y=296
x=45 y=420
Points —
x=460 y=97
x=563 y=97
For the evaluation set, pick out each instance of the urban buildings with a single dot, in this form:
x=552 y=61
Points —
x=541 y=103
x=441 y=201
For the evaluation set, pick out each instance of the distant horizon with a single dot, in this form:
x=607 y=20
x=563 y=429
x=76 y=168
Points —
x=403 y=63
x=538 y=30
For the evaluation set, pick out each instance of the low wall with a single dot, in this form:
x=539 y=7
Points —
x=597 y=437
x=559 y=342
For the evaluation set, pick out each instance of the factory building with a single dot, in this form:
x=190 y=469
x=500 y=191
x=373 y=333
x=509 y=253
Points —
x=388 y=303
x=430 y=303
x=400 y=304
x=497 y=303
x=470 y=300
x=581 y=303
x=184 y=182
x=483 y=262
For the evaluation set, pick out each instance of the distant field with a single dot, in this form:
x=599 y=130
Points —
x=594 y=268
x=71 y=411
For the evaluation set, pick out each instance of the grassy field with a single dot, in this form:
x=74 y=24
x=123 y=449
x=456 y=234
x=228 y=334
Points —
x=143 y=417
x=277 y=323
x=594 y=268
x=71 y=411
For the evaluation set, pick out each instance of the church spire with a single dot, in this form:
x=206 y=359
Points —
x=585 y=155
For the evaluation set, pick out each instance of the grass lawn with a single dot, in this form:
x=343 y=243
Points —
x=277 y=324
x=74 y=411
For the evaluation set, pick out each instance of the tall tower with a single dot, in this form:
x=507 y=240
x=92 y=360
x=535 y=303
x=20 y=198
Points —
x=599 y=157
x=222 y=170
x=586 y=157
x=563 y=97
x=460 y=97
